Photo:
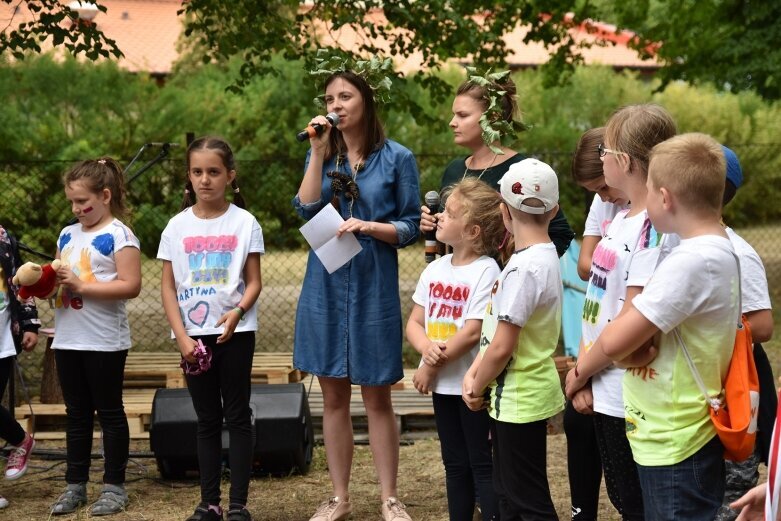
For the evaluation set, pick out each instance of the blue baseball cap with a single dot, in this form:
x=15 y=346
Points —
x=734 y=171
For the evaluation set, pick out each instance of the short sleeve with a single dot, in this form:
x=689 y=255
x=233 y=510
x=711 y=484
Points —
x=124 y=238
x=256 y=239
x=677 y=290
x=421 y=290
x=592 y=227
x=164 y=248
x=753 y=279
x=518 y=296
x=481 y=292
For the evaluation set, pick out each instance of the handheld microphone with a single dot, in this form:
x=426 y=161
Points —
x=317 y=129
x=432 y=202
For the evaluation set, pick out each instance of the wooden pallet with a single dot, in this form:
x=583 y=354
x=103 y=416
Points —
x=414 y=411
x=48 y=419
x=161 y=369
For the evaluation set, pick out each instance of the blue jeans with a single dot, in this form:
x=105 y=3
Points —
x=690 y=490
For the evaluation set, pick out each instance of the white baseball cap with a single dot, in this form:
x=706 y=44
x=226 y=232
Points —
x=530 y=179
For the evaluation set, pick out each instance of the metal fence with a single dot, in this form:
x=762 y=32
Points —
x=33 y=207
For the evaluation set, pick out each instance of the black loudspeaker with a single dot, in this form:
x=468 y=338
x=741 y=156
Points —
x=283 y=434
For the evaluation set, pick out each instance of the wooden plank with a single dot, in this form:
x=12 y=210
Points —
x=161 y=369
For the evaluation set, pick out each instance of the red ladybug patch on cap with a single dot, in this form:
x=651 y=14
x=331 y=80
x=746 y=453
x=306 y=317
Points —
x=517 y=188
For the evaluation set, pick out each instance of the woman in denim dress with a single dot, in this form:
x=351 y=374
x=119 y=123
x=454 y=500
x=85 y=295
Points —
x=348 y=323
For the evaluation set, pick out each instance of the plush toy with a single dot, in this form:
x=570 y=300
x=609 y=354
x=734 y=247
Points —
x=35 y=280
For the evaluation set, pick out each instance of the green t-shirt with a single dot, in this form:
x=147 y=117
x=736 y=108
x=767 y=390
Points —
x=559 y=229
x=528 y=295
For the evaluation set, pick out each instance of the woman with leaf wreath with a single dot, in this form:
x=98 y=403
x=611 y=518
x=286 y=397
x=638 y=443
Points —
x=484 y=111
x=348 y=323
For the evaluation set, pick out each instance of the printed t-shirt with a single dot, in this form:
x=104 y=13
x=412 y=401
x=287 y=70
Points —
x=87 y=323
x=528 y=295
x=606 y=294
x=208 y=257
x=451 y=295
x=694 y=289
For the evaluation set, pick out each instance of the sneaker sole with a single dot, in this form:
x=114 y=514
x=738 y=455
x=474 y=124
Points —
x=67 y=512
x=24 y=470
x=17 y=475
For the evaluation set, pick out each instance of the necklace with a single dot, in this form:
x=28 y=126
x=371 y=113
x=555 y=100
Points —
x=484 y=169
x=201 y=214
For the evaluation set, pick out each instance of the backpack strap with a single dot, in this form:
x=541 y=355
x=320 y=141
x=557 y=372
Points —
x=714 y=401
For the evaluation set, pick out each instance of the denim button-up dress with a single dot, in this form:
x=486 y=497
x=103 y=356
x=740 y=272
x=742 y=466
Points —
x=348 y=323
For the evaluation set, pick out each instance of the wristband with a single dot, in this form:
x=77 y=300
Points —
x=240 y=310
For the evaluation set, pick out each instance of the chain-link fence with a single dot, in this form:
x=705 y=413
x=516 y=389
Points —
x=35 y=209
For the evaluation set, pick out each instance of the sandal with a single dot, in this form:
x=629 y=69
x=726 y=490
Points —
x=75 y=495
x=112 y=500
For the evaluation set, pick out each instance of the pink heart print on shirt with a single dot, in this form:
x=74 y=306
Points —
x=198 y=313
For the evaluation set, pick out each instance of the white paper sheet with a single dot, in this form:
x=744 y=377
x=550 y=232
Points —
x=320 y=233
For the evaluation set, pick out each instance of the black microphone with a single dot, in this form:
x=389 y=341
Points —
x=432 y=202
x=317 y=129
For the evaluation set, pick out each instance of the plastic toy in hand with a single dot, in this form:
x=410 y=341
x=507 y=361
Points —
x=203 y=360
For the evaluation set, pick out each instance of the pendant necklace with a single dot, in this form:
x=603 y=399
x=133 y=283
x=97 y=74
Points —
x=484 y=169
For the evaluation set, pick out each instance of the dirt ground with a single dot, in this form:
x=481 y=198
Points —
x=293 y=498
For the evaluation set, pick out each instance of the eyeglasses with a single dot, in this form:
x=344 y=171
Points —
x=603 y=150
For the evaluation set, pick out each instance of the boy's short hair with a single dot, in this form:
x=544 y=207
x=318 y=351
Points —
x=693 y=168
x=530 y=186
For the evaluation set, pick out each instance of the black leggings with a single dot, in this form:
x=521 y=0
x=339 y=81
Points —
x=621 y=479
x=92 y=381
x=224 y=392
x=583 y=463
x=10 y=430
x=466 y=453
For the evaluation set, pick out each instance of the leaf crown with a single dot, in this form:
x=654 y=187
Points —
x=492 y=122
x=376 y=72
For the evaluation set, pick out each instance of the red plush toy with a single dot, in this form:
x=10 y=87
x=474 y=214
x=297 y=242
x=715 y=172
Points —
x=35 y=280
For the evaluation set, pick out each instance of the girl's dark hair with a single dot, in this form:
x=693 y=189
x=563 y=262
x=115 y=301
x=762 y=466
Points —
x=98 y=175
x=479 y=94
x=220 y=147
x=372 y=127
x=586 y=163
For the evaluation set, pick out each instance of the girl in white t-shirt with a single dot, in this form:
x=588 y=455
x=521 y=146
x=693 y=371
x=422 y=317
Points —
x=444 y=327
x=101 y=270
x=583 y=460
x=621 y=265
x=211 y=282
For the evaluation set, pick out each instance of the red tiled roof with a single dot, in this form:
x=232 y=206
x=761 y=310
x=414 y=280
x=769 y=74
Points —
x=147 y=32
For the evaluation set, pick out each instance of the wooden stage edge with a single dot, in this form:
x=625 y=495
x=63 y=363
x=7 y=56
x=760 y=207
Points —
x=414 y=411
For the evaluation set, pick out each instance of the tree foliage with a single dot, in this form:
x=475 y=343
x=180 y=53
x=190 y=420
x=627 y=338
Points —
x=55 y=21
x=732 y=43
x=100 y=109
